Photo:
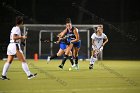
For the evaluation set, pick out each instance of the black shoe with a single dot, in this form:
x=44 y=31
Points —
x=32 y=76
x=60 y=66
x=4 y=78
x=91 y=66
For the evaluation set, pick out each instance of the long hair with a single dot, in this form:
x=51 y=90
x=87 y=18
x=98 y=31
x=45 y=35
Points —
x=68 y=20
x=19 y=20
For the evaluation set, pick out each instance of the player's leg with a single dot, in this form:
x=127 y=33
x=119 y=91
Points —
x=6 y=67
x=75 y=55
x=93 y=58
x=59 y=53
x=71 y=58
x=67 y=51
x=25 y=67
x=11 y=51
x=76 y=48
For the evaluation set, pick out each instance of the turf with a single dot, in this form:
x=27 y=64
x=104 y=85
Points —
x=107 y=77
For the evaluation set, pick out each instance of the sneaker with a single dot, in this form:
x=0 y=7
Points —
x=73 y=66
x=76 y=66
x=48 y=59
x=91 y=66
x=32 y=76
x=60 y=66
x=4 y=78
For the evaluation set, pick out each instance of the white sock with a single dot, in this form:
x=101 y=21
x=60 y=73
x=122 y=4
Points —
x=25 y=68
x=92 y=60
x=5 y=68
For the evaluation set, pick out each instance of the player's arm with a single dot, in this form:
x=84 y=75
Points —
x=106 y=40
x=62 y=33
x=93 y=43
x=59 y=35
x=76 y=35
x=16 y=37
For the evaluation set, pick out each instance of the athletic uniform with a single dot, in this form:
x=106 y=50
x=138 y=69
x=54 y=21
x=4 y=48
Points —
x=14 y=44
x=62 y=44
x=98 y=40
x=71 y=36
x=12 y=48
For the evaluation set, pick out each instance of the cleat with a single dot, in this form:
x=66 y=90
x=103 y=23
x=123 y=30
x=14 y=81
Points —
x=32 y=76
x=48 y=59
x=60 y=66
x=91 y=66
x=73 y=66
x=76 y=66
x=4 y=78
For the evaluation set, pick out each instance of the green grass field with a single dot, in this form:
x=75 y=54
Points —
x=107 y=77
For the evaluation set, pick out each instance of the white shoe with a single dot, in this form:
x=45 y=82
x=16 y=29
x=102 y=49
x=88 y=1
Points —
x=73 y=66
x=48 y=59
x=76 y=66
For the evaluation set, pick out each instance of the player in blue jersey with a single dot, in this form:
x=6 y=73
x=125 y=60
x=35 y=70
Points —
x=62 y=44
x=74 y=42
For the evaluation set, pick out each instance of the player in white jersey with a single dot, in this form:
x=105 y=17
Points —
x=97 y=44
x=15 y=49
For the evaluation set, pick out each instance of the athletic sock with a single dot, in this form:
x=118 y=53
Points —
x=71 y=60
x=76 y=60
x=26 y=69
x=54 y=56
x=92 y=60
x=5 y=68
x=64 y=60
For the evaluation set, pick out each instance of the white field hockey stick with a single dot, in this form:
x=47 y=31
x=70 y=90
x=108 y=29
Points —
x=97 y=51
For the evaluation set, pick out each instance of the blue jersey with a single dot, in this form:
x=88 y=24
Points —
x=71 y=36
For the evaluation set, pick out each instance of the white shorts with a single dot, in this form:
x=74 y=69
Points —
x=96 y=48
x=12 y=48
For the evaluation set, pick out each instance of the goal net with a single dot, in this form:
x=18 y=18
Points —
x=36 y=32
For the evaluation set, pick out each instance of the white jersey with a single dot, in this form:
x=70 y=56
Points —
x=98 y=40
x=14 y=45
x=15 y=30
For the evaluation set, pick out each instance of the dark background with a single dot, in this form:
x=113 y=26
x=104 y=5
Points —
x=121 y=19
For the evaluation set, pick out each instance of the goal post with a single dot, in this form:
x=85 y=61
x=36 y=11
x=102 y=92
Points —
x=39 y=31
x=52 y=45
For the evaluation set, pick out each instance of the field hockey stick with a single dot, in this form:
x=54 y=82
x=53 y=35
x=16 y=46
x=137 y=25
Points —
x=48 y=41
x=26 y=33
x=98 y=50
x=23 y=42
